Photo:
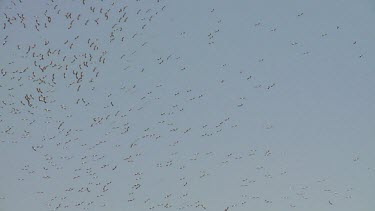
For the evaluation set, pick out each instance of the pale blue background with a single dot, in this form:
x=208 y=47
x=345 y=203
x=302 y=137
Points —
x=198 y=124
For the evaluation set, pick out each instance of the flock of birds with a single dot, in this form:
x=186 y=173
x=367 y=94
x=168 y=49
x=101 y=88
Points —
x=108 y=111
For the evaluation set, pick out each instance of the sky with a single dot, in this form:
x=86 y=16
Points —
x=187 y=105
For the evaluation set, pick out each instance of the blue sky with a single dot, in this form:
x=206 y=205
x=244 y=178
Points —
x=187 y=105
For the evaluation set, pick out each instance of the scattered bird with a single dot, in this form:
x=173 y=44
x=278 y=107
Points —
x=111 y=101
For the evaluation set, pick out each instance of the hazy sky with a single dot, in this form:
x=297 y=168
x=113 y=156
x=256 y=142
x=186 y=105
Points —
x=187 y=105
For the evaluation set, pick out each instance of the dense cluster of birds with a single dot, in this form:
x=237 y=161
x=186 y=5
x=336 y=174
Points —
x=109 y=112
